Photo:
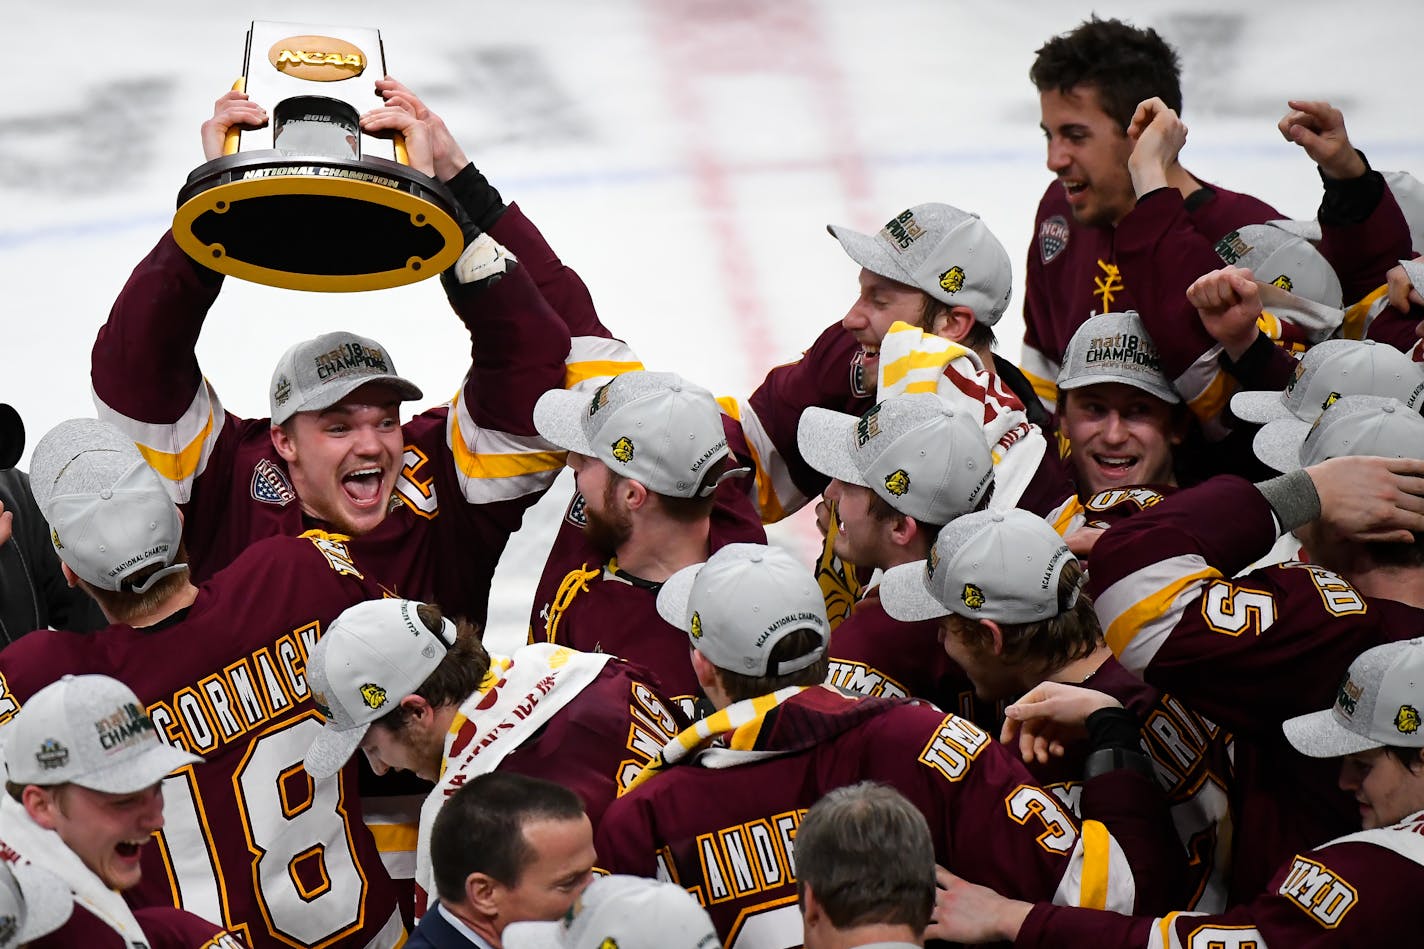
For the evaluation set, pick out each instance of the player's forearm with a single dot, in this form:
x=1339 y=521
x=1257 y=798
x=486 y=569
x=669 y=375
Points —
x=143 y=363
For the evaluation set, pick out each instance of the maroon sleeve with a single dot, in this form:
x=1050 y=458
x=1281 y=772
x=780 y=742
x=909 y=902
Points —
x=1362 y=253
x=624 y=838
x=518 y=345
x=1160 y=252
x=827 y=375
x=1344 y=894
x=559 y=285
x=1135 y=811
x=1187 y=523
x=168 y=928
x=151 y=334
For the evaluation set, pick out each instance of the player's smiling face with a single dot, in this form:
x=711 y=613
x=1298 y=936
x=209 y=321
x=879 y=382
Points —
x=1119 y=436
x=1088 y=151
x=880 y=303
x=106 y=831
x=860 y=535
x=344 y=460
x=1384 y=789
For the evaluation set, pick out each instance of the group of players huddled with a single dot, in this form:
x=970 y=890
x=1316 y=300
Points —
x=1130 y=626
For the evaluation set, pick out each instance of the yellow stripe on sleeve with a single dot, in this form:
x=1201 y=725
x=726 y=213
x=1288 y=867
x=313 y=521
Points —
x=1122 y=630
x=395 y=838
x=182 y=465
x=582 y=371
x=1097 y=843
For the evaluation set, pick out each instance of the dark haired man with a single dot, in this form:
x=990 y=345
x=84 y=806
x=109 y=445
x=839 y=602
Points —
x=506 y=849
x=1123 y=215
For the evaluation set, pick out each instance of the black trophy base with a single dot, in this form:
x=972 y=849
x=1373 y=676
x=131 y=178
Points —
x=317 y=223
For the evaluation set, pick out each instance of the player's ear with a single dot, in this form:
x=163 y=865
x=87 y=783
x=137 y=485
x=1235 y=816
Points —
x=635 y=493
x=952 y=323
x=70 y=577
x=904 y=529
x=282 y=441
x=997 y=633
x=417 y=707
x=41 y=804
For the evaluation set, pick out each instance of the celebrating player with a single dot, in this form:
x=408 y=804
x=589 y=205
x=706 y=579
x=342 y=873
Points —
x=417 y=692
x=250 y=843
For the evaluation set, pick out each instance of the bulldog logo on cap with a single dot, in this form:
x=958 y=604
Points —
x=898 y=482
x=1406 y=720
x=373 y=695
x=623 y=449
x=972 y=596
x=952 y=280
x=696 y=625
x=1283 y=282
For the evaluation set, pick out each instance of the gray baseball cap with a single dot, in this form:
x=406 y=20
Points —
x=743 y=601
x=109 y=514
x=318 y=373
x=945 y=252
x=1351 y=425
x=913 y=451
x=1115 y=347
x=373 y=655
x=88 y=730
x=1333 y=369
x=33 y=902
x=1282 y=259
x=998 y=565
x=1379 y=703
x=654 y=427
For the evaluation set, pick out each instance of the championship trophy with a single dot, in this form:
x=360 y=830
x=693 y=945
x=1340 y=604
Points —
x=311 y=202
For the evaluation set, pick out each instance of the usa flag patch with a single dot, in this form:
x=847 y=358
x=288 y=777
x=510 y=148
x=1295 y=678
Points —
x=1052 y=237
x=575 y=514
x=270 y=485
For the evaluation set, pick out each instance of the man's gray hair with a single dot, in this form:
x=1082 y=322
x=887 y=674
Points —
x=866 y=853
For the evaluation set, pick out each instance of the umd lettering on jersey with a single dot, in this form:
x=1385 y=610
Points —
x=862 y=679
x=749 y=858
x=1319 y=892
x=954 y=747
x=249 y=693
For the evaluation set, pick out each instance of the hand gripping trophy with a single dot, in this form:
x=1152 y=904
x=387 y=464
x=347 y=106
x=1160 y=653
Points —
x=312 y=202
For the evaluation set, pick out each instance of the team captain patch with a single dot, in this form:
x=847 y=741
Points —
x=270 y=485
x=1052 y=237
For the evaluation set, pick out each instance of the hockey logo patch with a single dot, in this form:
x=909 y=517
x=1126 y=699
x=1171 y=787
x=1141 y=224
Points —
x=932 y=562
x=1232 y=248
x=270 y=484
x=695 y=627
x=972 y=596
x=1284 y=282
x=858 y=387
x=952 y=280
x=1330 y=400
x=1052 y=238
x=623 y=449
x=1406 y=720
x=600 y=399
x=575 y=515
x=898 y=482
x=52 y=755
x=283 y=390
x=373 y=695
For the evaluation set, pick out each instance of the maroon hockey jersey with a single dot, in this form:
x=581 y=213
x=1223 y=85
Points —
x=1074 y=270
x=723 y=824
x=585 y=602
x=250 y=842
x=1191 y=758
x=1358 y=890
x=874 y=654
x=1246 y=651
x=472 y=466
x=163 y=928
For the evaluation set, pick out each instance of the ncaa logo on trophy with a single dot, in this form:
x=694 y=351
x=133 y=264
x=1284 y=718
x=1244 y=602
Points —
x=311 y=202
